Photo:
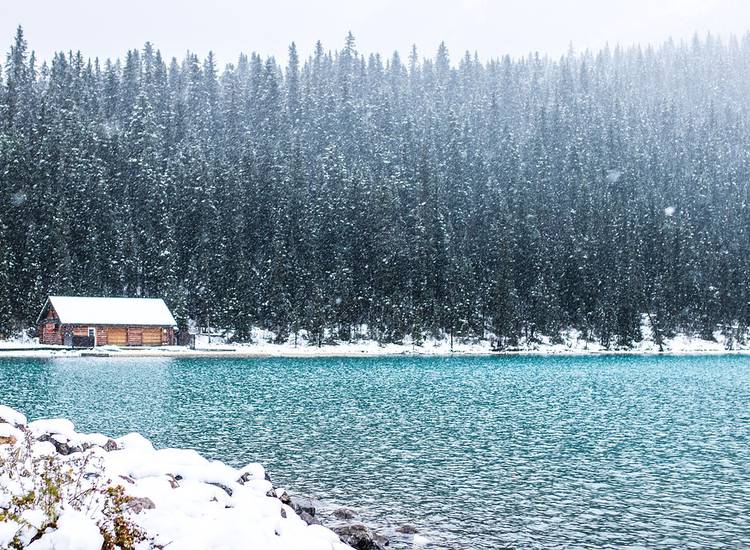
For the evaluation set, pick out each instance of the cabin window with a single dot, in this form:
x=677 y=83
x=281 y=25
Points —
x=92 y=332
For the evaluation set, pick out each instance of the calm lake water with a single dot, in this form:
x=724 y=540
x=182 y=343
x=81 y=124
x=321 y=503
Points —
x=477 y=452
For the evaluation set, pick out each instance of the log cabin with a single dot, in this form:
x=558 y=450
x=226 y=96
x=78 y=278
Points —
x=78 y=321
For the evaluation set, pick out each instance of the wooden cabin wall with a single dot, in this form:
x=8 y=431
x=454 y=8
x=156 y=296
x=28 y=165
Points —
x=49 y=334
x=134 y=336
x=48 y=330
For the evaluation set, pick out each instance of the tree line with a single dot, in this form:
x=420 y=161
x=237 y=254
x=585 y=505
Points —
x=349 y=193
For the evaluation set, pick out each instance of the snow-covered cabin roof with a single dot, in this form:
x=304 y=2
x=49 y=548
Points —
x=84 y=310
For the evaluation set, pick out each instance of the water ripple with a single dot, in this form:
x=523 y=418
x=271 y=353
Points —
x=619 y=452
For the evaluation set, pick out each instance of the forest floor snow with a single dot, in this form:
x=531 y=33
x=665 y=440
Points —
x=263 y=344
x=569 y=343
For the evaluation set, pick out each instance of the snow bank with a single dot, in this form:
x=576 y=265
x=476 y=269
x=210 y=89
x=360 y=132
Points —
x=163 y=497
x=264 y=344
x=568 y=342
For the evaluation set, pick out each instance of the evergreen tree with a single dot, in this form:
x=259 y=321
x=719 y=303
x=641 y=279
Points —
x=512 y=197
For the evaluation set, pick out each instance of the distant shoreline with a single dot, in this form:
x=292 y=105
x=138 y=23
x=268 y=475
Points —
x=9 y=349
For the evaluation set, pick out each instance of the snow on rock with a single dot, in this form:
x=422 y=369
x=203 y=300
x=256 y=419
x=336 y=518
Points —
x=134 y=441
x=90 y=440
x=52 y=426
x=172 y=498
x=139 y=463
x=61 y=433
x=253 y=471
x=12 y=417
x=43 y=448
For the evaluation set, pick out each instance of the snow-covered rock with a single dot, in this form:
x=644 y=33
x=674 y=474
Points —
x=11 y=416
x=52 y=426
x=253 y=470
x=134 y=441
x=170 y=497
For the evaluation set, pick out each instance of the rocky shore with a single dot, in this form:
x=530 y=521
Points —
x=65 y=490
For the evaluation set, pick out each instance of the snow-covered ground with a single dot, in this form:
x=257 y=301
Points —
x=569 y=343
x=64 y=490
x=263 y=344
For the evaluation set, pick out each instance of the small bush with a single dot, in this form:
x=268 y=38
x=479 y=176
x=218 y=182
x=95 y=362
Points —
x=54 y=483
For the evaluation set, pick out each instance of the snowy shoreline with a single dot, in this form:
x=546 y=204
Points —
x=570 y=344
x=65 y=490
x=324 y=353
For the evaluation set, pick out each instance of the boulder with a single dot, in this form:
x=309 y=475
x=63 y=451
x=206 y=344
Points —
x=380 y=540
x=221 y=486
x=407 y=529
x=61 y=443
x=344 y=513
x=281 y=494
x=307 y=518
x=138 y=504
x=244 y=478
x=88 y=441
x=303 y=505
x=360 y=537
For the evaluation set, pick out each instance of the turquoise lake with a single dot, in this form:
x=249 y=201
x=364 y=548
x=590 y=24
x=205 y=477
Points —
x=477 y=452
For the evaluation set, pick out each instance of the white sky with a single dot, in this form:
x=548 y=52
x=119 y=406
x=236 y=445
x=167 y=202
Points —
x=107 y=28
